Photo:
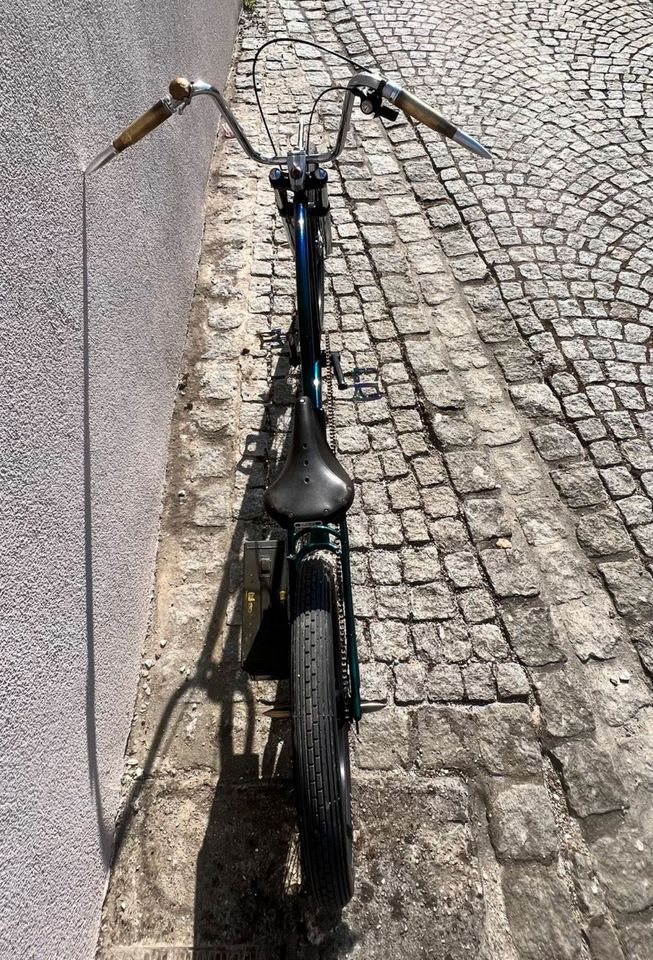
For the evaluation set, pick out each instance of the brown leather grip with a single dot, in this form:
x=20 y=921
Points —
x=421 y=111
x=144 y=125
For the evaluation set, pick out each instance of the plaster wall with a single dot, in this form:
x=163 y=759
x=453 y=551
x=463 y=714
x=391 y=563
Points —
x=86 y=401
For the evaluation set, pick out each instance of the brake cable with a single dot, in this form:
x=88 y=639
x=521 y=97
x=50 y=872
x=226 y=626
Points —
x=315 y=103
x=295 y=41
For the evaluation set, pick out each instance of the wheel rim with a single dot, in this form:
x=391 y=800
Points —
x=345 y=789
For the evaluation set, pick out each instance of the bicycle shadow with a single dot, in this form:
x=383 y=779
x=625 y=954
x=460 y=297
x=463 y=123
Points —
x=247 y=887
x=247 y=882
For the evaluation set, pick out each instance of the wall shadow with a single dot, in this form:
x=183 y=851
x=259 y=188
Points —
x=104 y=828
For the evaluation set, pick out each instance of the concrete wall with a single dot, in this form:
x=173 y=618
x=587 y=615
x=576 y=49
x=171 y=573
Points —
x=71 y=75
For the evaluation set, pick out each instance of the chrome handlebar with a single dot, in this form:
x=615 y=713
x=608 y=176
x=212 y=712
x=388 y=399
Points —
x=182 y=93
x=199 y=88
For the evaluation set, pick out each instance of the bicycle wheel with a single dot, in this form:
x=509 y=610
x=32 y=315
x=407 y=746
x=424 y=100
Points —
x=321 y=738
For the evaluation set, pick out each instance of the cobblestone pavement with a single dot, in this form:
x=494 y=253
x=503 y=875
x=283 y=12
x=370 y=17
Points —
x=503 y=795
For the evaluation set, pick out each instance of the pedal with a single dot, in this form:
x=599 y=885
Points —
x=293 y=351
x=273 y=339
x=371 y=384
x=280 y=711
x=364 y=380
x=265 y=633
x=372 y=706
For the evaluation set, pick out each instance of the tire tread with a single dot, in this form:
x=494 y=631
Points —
x=325 y=834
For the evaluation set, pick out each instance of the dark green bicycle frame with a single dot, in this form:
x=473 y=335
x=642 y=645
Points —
x=301 y=222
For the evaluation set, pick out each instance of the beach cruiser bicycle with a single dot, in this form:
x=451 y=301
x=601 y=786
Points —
x=298 y=615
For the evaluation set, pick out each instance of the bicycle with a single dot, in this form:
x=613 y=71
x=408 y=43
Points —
x=298 y=613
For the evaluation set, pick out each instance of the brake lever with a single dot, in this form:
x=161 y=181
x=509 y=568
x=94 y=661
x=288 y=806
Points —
x=388 y=113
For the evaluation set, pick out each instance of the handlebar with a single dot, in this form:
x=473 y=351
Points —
x=182 y=91
x=413 y=107
x=151 y=119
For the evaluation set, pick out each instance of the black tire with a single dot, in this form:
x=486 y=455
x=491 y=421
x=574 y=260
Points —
x=321 y=738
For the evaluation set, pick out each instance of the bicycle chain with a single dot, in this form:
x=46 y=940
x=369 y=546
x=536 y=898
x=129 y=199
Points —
x=330 y=401
x=342 y=623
